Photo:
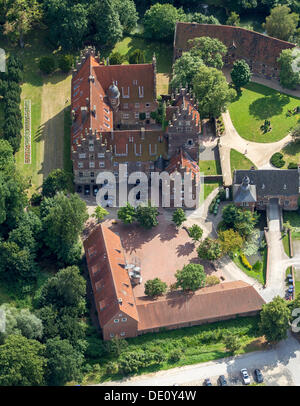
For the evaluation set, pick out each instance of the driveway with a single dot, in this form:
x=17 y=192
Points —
x=279 y=365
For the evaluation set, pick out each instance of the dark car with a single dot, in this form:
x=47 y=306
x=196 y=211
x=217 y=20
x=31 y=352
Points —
x=222 y=381
x=258 y=376
x=87 y=190
x=207 y=382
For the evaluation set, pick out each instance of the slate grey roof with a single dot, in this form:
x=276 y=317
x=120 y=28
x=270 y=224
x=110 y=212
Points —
x=244 y=192
x=271 y=182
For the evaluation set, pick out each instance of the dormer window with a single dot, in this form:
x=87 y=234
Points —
x=263 y=186
x=141 y=91
x=284 y=187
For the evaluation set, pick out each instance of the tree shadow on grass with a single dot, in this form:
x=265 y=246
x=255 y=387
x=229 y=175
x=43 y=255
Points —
x=293 y=148
x=268 y=106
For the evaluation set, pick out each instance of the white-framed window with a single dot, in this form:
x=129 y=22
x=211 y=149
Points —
x=148 y=115
x=116 y=320
x=136 y=115
x=101 y=164
x=136 y=105
x=122 y=334
x=125 y=105
x=92 y=174
x=125 y=93
x=92 y=164
x=106 y=118
x=107 y=125
x=124 y=319
x=141 y=91
x=111 y=335
x=106 y=110
x=125 y=116
x=101 y=155
x=82 y=156
x=80 y=164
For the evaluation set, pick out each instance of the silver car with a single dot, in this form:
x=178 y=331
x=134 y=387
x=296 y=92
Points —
x=245 y=376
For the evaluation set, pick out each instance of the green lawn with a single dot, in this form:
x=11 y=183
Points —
x=258 y=103
x=286 y=244
x=291 y=153
x=212 y=167
x=68 y=165
x=293 y=217
x=194 y=344
x=163 y=51
x=259 y=276
x=239 y=161
x=210 y=187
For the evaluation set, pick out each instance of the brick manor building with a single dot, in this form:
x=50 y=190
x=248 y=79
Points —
x=260 y=51
x=113 y=121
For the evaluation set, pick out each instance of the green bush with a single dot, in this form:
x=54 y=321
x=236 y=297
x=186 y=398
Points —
x=174 y=357
x=116 y=58
x=277 y=160
x=292 y=165
x=65 y=63
x=257 y=266
x=142 y=116
x=47 y=64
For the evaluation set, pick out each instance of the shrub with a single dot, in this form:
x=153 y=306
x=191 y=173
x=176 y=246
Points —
x=277 y=160
x=174 y=357
x=212 y=280
x=137 y=56
x=142 y=116
x=116 y=58
x=112 y=368
x=47 y=64
x=245 y=261
x=65 y=63
x=257 y=266
x=292 y=165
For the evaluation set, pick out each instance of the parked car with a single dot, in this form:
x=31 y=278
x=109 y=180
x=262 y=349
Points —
x=207 y=382
x=87 y=190
x=245 y=376
x=258 y=375
x=222 y=381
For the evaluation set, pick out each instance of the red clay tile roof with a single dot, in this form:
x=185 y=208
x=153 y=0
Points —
x=223 y=300
x=109 y=279
x=187 y=105
x=182 y=161
x=248 y=44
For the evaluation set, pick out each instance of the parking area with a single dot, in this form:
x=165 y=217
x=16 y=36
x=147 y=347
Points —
x=275 y=376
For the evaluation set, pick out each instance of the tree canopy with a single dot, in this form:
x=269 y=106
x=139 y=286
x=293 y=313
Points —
x=191 y=277
x=210 y=50
x=289 y=71
x=155 y=287
x=281 y=23
x=184 y=70
x=275 y=319
x=240 y=74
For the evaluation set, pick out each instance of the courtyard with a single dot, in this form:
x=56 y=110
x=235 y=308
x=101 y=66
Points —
x=160 y=252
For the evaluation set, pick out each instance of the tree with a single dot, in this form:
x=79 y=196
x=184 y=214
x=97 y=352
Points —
x=57 y=181
x=232 y=343
x=127 y=214
x=116 y=58
x=68 y=21
x=100 y=213
x=62 y=225
x=185 y=69
x=212 y=83
x=66 y=289
x=274 y=319
x=146 y=216
x=191 y=277
x=65 y=63
x=212 y=280
x=202 y=18
x=230 y=241
x=47 y=64
x=178 y=217
x=127 y=14
x=137 y=56
x=209 y=249
x=242 y=221
x=27 y=233
x=210 y=50
x=21 y=15
x=296 y=132
x=64 y=362
x=6 y=155
x=160 y=21
x=195 y=232
x=281 y=23
x=240 y=74
x=107 y=29
x=289 y=72
x=22 y=362
x=155 y=287
x=233 y=19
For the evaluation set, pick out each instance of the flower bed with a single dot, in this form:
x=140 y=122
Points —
x=27 y=131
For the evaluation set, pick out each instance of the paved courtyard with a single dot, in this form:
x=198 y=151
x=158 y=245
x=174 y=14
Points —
x=160 y=252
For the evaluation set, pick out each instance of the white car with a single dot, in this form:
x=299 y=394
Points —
x=245 y=376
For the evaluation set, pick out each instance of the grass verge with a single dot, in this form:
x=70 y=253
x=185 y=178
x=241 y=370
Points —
x=239 y=161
